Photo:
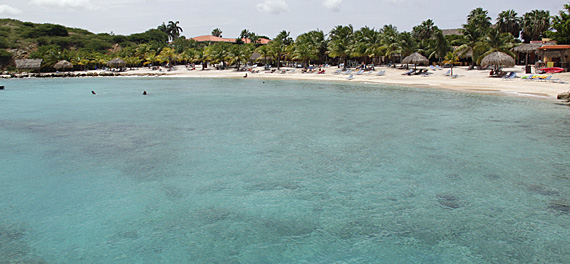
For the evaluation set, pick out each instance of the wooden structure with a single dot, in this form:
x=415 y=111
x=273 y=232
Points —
x=29 y=64
x=554 y=56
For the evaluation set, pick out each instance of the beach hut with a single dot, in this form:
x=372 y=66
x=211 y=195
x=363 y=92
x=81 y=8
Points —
x=529 y=50
x=116 y=63
x=63 y=64
x=497 y=59
x=415 y=59
x=29 y=64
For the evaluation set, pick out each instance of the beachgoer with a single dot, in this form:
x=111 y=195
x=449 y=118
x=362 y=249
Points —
x=245 y=76
x=144 y=93
x=93 y=92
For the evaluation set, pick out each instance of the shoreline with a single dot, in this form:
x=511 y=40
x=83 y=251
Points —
x=472 y=81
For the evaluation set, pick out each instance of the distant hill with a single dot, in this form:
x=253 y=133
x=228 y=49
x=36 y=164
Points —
x=21 y=38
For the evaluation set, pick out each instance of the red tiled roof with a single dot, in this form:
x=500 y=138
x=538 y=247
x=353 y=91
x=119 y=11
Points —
x=208 y=38
x=555 y=47
x=212 y=39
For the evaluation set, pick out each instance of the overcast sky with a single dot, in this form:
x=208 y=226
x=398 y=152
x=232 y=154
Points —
x=264 y=17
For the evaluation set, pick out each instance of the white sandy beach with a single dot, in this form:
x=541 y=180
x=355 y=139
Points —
x=477 y=81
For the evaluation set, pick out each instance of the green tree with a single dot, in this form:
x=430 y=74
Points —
x=173 y=30
x=340 y=41
x=217 y=32
x=508 y=22
x=561 y=25
x=534 y=25
x=439 y=47
x=496 y=41
x=265 y=52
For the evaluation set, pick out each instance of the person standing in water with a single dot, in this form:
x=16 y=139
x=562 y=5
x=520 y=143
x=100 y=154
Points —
x=144 y=93
x=93 y=92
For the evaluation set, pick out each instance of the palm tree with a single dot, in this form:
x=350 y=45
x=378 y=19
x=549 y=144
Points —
x=217 y=32
x=340 y=39
x=390 y=41
x=472 y=36
x=508 y=22
x=173 y=30
x=534 y=24
x=451 y=58
x=496 y=41
x=439 y=47
x=480 y=18
x=167 y=55
x=561 y=24
x=278 y=50
x=265 y=51
x=239 y=54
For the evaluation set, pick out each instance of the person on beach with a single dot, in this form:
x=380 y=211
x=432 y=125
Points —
x=93 y=92
x=245 y=76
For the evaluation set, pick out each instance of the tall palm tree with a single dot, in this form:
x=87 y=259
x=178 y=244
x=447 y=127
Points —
x=472 y=36
x=265 y=51
x=390 y=41
x=439 y=47
x=239 y=54
x=508 y=22
x=173 y=30
x=534 y=24
x=217 y=32
x=340 y=39
x=480 y=19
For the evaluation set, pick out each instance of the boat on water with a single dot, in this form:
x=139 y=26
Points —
x=552 y=70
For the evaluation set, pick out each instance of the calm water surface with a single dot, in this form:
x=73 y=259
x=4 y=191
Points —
x=241 y=171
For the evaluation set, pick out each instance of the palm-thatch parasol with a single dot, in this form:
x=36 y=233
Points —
x=498 y=58
x=415 y=59
x=63 y=64
x=116 y=63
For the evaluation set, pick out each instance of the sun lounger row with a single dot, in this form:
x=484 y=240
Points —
x=542 y=78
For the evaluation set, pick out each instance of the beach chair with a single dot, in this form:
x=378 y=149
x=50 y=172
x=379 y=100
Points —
x=438 y=67
x=454 y=76
x=350 y=77
x=348 y=72
x=360 y=72
x=380 y=73
x=410 y=72
x=545 y=79
x=509 y=76
x=447 y=73
x=337 y=72
x=432 y=68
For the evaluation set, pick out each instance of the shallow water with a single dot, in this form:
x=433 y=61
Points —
x=251 y=171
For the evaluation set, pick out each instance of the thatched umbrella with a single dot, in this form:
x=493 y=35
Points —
x=63 y=64
x=116 y=63
x=415 y=59
x=498 y=58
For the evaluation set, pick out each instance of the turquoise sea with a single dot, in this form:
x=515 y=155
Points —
x=253 y=171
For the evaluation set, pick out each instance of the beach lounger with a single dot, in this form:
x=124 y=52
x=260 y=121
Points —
x=350 y=77
x=431 y=67
x=447 y=73
x=360 y=72
x=509 y=76
x=348 y=72
x=380 y=73
x=454 y=76
x=337 y=72
x=547 y=78
x=438 y=67
x=410 y=72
